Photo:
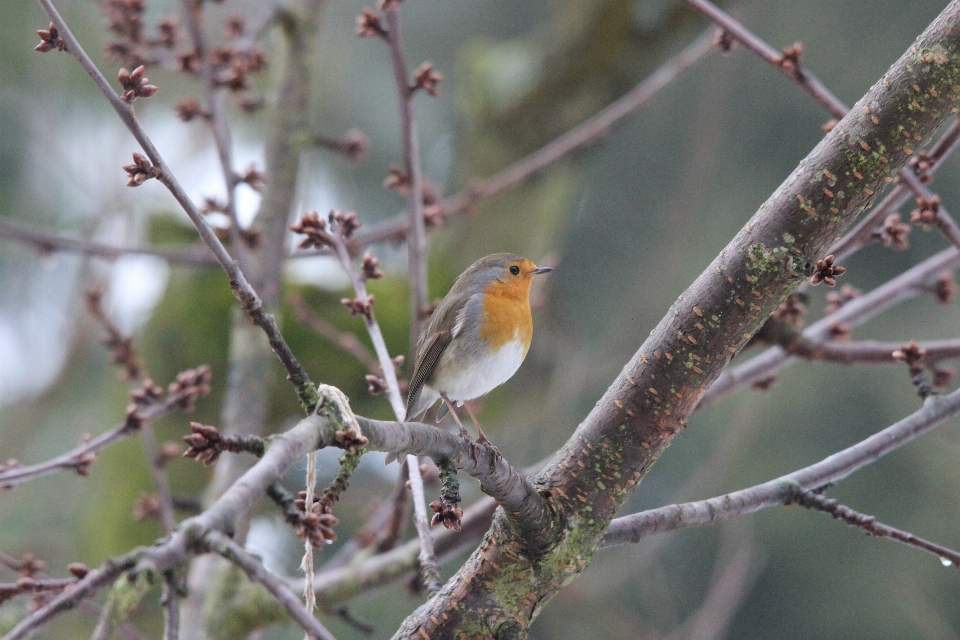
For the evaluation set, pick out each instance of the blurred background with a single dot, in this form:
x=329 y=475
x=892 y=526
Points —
x=629 y=221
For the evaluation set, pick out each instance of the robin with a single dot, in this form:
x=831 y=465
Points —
x=477 y=337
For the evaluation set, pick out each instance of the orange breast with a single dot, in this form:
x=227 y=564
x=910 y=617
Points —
x=506 y=313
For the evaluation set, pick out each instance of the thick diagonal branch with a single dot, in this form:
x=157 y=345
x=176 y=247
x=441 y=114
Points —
x=650 y=400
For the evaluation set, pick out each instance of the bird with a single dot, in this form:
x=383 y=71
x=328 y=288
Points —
x=476 y=338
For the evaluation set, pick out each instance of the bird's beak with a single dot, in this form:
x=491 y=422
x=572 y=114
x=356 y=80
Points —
x=540 y=270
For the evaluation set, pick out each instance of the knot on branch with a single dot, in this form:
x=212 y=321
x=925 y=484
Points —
x=257 y=180
x=723 y=40
x=140 y=171
x=135 y=84
x=826 y=272
x=189 y=386
x=50 y=39
x=82 y=459
x=315 y=524
x=397 y=179
x=836 y=300
x=841 y=331
x=922 y=164
x=350 y=439
x=927 y=211
x=360 y=307
x=371 y=268
x=206 y=444
x=913 y=355
x=893 y=233
x=944 y=288
x=791 y=310
x=320 y=232
x=370 y=25
x=189 y=109
x=427 y=78
x=353 y=145
x=790 y=59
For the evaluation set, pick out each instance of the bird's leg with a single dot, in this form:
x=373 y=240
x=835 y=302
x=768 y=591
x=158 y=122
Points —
x=483 y=437
x=453 y=410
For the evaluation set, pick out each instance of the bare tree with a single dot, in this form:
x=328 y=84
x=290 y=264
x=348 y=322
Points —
x=538 y=529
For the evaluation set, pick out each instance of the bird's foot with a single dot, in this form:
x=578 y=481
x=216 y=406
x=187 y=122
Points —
x=483 y=441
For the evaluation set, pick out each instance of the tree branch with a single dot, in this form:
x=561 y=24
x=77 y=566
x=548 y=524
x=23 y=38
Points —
x=416 y=235
x=85 y=588
x=862 y=234
x=193 y=13
x=791 y=69
x=649 y=402
x=250 y=301
x=870 y=526
x=596 y=127
x=789 y=63
x=46 y=241
x=780 y=491
x=428 y=558
x=220 y=543
x=81 y=457
x=906 y=286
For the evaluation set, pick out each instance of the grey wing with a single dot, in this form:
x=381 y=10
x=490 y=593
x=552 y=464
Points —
x=425 y=367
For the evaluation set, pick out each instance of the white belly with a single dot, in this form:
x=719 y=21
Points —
x=488 y=372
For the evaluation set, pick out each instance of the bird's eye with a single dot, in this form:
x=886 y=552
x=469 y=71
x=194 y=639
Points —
x=515 y=270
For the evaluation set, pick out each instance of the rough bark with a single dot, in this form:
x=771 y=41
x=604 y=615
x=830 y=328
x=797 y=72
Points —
x=501 y=588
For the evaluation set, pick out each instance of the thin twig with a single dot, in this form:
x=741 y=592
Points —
x=156 y=463
x=935 y=411
x=818 y=91
x=347 y=341
x=171 y=608
x=944 y=221
x=242 y=289
x=220 y=543
x=595 y=127
x=906 y=286
x=862 y=233
x=89 y=608
x=85 y=588
x=428 y=557
x=46 y=241
x=870 y=526
x=125 y=355
x=80 y=458
x=193 y=12
x=344 y=582
x=865 y=351
x=807 y=81
x=416 y=225
x=309 y=596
